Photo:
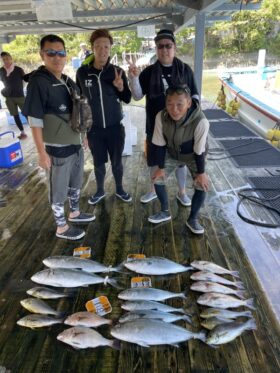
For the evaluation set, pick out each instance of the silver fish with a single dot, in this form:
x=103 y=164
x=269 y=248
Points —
x=148 y=294
x=88 y=319
x=224 y=301
x=212 y=322
x=35 y=305
x=82 y=337
x=155 y=266
x=47 y=293
x=147 y=332
x=149 y=305
x=212 y=267
x=212 y=287
x=151 y=314
x=69 y=278
x=209 y=276
x=72 y=262
x=38 y=321
x=226 y=314
x=228 y=332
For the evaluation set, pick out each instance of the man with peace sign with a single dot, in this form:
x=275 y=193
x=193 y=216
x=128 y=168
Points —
x=105 y=85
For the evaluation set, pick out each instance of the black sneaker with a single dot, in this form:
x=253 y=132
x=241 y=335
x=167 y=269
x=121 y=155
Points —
x=82 y=218
x=72 y=234
x=194 y=226
x=93 y=200
x=124 y=197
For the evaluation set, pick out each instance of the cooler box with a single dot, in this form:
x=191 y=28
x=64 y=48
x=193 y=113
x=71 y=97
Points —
x=10 y=150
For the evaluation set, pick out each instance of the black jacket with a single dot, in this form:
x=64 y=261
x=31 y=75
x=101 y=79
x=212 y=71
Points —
x=13 y=83
x=104 y=98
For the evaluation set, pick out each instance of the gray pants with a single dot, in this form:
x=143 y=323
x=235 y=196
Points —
x=65 y=181
x=171 y=164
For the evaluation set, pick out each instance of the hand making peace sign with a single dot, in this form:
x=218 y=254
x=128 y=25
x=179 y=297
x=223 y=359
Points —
x=118 y=82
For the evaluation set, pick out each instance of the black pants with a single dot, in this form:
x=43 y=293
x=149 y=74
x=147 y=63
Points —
x=104 y=142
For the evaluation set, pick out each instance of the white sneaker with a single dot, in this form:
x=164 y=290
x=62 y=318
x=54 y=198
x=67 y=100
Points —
x=148 y=197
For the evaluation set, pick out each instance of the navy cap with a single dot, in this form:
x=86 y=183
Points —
x=165 y=34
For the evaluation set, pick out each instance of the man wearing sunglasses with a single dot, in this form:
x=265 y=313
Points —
x=59 y=148
x=152 y=83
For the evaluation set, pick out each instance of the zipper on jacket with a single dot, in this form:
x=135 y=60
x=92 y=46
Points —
x=101 y=96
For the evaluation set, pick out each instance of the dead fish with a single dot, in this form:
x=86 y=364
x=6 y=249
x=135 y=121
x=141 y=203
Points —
x=226 y=314
x=209 y=276
x=151 y=314
x=47 y=293
x=149 y=305
x=228 y=332
x=155 y=266
x=88 y=319
x=224 y=301
x=212 y=287
x=72 y=262
x=148 y=294
x=147 y=332
x=35 y=305
x=212 y=267
x=212 y=322
x=82 y=337
x=38 y=321
x=69 y=278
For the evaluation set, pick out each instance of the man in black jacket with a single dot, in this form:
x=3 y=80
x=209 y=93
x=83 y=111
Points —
x=12 y=77
x=105 y=85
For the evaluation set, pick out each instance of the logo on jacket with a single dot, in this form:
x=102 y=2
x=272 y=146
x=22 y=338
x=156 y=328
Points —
x=88 y=83
x=62 y=107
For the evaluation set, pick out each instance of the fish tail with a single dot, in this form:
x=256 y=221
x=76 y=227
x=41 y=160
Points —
x=251 y=324
x=235 y=273
x=181 y=310
x=120 y=269
x=189 y=268
x=240 y=294
x=187 y=319
x=201 y=336
x=247 y=314
x=115 y=344
x=239 y=285
x=112 y=282
x=181 y=295
x=250 y=303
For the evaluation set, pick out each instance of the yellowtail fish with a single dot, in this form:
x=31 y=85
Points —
x=155 y=266
x=149 y=305
x=149 y=332
x=151 y=314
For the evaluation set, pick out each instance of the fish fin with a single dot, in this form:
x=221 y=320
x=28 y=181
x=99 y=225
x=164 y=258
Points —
x=240 y=294
x=247 y=314
x=175 y=345
x=189 y=268
x=115 y=344
x=201 y=335
x=182 y=295
x=250 y=303
x=212 y=346
x=120 y=269
x=239 y=285
x=235 y=273
x=251 y=324
x=142 y=343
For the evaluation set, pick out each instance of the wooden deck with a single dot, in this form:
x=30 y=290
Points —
x=27 y=237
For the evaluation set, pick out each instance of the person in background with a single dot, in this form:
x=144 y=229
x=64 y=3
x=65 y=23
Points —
x=12 y=78
x=180 y=138
x=84 y=52
x=105 y=85
x=152 y=82
x=59 y=148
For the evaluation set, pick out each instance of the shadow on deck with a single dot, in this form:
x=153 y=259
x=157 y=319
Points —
x=27 y=237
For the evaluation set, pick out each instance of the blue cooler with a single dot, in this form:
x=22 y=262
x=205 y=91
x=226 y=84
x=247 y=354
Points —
x=10 y=150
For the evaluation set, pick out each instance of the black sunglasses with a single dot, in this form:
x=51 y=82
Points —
x=53 y=53
x=178 y=90
x=166 y=46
